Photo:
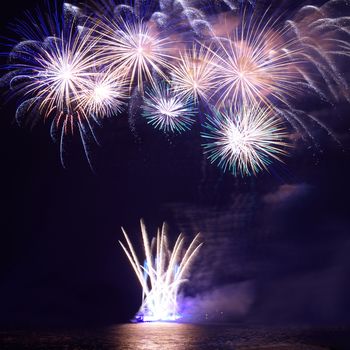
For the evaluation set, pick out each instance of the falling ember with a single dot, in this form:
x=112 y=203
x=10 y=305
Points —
x=162 y=274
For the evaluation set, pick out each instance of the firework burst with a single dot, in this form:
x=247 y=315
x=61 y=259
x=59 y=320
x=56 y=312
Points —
x=135 y=48
x=162 y=274
x=105 y=95
x=77 y=66
x=53 y=72
x=244 y=141
x=168 y=111
x=323 y=39
x=195 y=74
x=257 y=64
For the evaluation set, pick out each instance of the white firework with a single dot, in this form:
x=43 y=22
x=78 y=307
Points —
x=168 y=111
x=105 y=95
x=195 y=74
x=244 y=141
x=162 y=274
x=134 y=48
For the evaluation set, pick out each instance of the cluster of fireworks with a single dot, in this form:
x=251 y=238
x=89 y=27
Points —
x=162 y=274
x=236 y=71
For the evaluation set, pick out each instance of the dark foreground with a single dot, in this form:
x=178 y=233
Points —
x=171 y=336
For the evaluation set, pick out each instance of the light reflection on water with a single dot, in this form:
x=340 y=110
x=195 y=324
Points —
x=177 y=336
x=172 y=336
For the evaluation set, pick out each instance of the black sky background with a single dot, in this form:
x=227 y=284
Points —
x=276 y=246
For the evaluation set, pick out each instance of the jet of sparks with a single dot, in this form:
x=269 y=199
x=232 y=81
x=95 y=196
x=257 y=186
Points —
x=168 y=111
x=162 y=274
x=244 y=141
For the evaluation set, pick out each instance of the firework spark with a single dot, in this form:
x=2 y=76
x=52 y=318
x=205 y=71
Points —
x=195 y=75
x=52 y=75
x=168 y=111
x=324 y=39
x=105 y=95
x=135 y=48
x=162 y=274
x=77 y=66
x=244 y=141
x=54 y=72
x=257 y=63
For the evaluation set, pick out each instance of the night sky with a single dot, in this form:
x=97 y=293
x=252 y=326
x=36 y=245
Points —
x=276 y=246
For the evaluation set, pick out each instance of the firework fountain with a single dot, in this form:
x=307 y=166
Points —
x=163 y=273
x=237 y=71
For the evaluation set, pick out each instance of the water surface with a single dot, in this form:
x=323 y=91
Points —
x=172 y=336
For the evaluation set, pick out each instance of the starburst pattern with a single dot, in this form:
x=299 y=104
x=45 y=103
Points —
x=54 y=72
x=168 y=111
x=133 y=47
x=195 y=74
x=105 y=95
x=257 y=63
x=244 y=141
x=174 y=58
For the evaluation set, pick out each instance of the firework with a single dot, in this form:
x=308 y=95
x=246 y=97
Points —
x=105 y=95
x=135 y=48
x=74 y=68
x=162 y=274
x=52 y=75
x=168 y=111
x=324 y=39
x=195 y=75
x=244 y=141
x=54 y=72
x=257 y=63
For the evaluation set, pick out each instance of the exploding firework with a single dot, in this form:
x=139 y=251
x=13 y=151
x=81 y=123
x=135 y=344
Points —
x=244 y=141
x=74 y=68
x=195 y=74
x=53 y=72
x=105 y=95
x=324 y=39
x=162 y=274
x=167 y=110
x=257 y=63
x=134 y=47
